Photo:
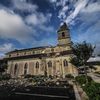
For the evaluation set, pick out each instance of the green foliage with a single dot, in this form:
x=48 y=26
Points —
x=28 y=76
x=5 y=77
x=92 y=90
x=82 y=79
x=82 y=51
x=3 y=67
x=50 y=76
x=69 y=76
x=75 y=61
x=33 y=76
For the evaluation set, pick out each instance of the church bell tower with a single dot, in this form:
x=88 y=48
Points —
x=63 y=35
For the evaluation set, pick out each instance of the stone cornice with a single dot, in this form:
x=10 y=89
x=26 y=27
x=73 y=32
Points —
x=40 y=56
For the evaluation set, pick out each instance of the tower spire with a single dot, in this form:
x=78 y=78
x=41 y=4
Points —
x=63 y=27
x=63 y=35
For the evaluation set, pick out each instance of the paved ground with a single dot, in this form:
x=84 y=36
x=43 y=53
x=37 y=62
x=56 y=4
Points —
x=76 y=92
x=95 y=77
x=79 y=93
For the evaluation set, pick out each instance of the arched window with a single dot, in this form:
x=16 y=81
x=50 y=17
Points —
x=63 y=34
x=15 y=69
x=25 y=68
x=49 y=64
x=65 y=63
x=37 y=64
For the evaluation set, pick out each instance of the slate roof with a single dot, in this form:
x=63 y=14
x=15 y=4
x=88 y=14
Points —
x=16 y=50
x=94 y=59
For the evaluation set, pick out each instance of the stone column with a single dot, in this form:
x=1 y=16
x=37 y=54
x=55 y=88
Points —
x=54 y=67
x=20 y=69
x=31 y=68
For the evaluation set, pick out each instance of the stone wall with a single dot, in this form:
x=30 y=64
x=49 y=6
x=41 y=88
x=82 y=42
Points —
x=57 y=67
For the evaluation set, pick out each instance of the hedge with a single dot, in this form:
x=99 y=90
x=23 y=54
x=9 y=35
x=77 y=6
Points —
x=82 y=79
x=69 y=76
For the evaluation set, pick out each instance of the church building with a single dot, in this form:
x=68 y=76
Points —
x=50 y=60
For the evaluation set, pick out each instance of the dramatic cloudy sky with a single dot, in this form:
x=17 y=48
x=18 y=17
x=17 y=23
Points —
x=32 y=23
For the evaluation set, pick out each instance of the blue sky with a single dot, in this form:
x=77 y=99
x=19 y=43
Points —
x=33 y=23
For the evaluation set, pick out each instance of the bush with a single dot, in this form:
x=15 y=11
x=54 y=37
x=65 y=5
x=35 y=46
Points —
x=50 y=76
x=69 y=76
x=36 y=78
x=5 y=77
x=28 y=76
x=92 y=90
x=82 y=79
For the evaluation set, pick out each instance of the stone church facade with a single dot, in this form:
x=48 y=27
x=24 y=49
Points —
x=50 y=60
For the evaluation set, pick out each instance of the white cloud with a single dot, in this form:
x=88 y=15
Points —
x=68 y=16
x=64 y=8
x=62 y=12
x=61 y=2
x=92 y=7
x=6 y=47
x=78 y=7
x=58 y=3
x=40 y=21
x=24 y=5
x=12 y=26
x=89 y=29
x=45 y=42
x=92 y=35
x=82 y=7
x=53 y=1
x=36 y=19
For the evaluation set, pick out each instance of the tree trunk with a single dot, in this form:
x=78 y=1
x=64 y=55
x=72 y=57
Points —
x=85 y=73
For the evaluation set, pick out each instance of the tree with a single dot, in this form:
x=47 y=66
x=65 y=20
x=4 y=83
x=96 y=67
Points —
x=82 y=52
x=3 y=66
